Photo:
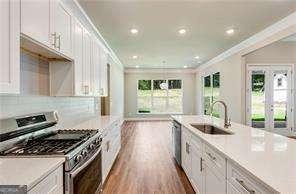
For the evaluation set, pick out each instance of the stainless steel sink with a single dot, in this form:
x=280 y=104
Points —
x=209 y=129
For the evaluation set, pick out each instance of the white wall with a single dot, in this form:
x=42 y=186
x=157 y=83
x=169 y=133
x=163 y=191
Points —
x=130 y=90
x=278 y=52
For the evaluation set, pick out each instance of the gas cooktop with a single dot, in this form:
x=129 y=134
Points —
x=56 y=143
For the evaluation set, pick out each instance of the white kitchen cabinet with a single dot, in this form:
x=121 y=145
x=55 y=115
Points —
x=104 y=73
x=10 y=46
x=232 y=190
x=111 y=145
x=214 y=182
x=61 y=30
x=185 y=151
x=51 y=184
x=96 y=62
x=35 y=17
x=87 y=63
x=78 y=57
x=74 y=78
x=196 y=164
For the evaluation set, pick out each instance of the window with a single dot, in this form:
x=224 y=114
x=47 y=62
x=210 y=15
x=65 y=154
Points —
x=211 y=86
x=160 y=96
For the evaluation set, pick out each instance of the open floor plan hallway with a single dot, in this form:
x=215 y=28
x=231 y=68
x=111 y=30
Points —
x=145 y=163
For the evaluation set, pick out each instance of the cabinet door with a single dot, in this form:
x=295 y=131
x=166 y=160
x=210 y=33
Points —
x=196 y=168
x=78 y=57
x=10 y=46
x=186 y=156
x=214 y=182
x=104 y=73
x=96 y=67
x=35 y=19
x=232 y=190
x=61 y=27
x=87 y=66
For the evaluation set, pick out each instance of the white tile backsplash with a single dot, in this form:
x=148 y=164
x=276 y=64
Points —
x=35 y=97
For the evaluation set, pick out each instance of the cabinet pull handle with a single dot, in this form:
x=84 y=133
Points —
x=187 y=148
x=201 y=160
x=54 y=40
x=242 y=183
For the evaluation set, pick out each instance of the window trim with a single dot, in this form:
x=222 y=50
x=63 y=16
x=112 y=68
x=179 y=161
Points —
x=167 y=97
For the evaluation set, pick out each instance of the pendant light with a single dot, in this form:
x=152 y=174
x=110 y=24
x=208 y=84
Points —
x=164 y=85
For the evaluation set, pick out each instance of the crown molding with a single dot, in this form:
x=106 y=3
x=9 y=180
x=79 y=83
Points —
x=159 y=70
x=109 y=49
x=284 y=23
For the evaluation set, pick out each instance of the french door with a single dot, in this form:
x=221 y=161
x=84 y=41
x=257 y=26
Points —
x=269 y=98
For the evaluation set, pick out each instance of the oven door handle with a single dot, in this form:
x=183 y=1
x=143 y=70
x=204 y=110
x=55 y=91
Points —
x=73 y=174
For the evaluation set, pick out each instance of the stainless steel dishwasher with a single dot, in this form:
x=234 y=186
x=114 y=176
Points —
x=176 y=137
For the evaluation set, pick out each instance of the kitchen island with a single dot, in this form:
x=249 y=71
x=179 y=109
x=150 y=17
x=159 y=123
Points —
x=247 y=160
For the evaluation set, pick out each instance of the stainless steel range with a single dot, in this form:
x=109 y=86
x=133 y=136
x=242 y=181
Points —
x=37 y=135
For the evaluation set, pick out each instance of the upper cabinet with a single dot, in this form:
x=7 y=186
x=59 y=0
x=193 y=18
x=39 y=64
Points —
x=47 y=25
x=35 y=18
x=104 y=73
x=60 y=22
x=10 y=46
x=96 y=61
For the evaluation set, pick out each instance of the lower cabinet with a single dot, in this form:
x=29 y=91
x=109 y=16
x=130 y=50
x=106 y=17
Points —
x=185 y=149
x=231 y=189
x=214 y=182
x=203 y=166
x=210 y=172
x=111 y=145
x=196 y=165
x=51 y=184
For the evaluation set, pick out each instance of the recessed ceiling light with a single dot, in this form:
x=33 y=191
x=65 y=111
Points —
x=134 y=31
x=137 y=66
x=185 y=66
x=196 y=57
x=182 y=31
x=135 y=57
x=230 y=31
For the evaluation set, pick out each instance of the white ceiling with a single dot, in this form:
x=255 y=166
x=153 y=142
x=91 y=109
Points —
x=158 y=23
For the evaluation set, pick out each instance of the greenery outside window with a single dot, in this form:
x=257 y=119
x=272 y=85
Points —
x=160 y=96
x=211 y=86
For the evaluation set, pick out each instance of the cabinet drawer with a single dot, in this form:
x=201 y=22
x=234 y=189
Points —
x=241 y=180
x=52 y=184
x=215 y=160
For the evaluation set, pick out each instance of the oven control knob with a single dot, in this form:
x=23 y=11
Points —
x=91 y=146
x=78 y=158
x=84 y=153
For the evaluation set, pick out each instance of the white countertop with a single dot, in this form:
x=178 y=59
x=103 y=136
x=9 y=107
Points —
x=27 y=171
x=88 y=122
x=268 y=156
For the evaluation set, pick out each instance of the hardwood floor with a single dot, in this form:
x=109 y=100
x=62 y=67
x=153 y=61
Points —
x=145 y=163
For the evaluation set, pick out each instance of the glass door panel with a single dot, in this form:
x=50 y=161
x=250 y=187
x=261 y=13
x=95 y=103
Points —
x=258 y=99
x=279 y=104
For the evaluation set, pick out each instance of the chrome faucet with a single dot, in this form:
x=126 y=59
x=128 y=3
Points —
x=226 y=118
